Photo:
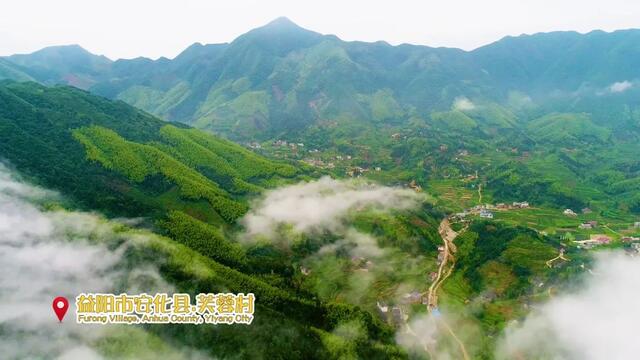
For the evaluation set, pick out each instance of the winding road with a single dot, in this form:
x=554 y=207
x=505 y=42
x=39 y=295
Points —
x=445 y=269
x=448 y=235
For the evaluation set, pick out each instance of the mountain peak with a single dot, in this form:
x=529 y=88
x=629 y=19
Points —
x=281 y=25
x=280 y=36
x=281 y=21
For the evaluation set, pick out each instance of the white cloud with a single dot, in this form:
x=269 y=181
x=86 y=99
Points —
x=44 y=254
x=463 y=104
x=321 y=205
x=601 y=321
x=619 y=87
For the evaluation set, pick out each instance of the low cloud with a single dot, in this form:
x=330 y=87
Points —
x=600 y=321
x=620 y=87
x=347 y=265
x=357 y=243
x=420 y=335
x=463 y=104
x=440 y=335
x=44 y=254
x=321 y=205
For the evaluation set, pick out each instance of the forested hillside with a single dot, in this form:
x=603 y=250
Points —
x=111 y=156
x=108 y=156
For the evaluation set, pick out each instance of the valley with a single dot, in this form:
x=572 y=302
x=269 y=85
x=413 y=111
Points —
x=380 y=201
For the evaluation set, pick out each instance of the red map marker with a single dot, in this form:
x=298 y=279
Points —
x=60 y=307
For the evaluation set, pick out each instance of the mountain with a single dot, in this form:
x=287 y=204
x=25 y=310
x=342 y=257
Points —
x=532 y=94
x=116 y=158
x=70 y=64
x=9 y=70
x=561 y=61
x=281 y=78
x=191 y=187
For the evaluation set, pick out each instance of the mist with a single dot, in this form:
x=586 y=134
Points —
x=598 y=321
x=321 y=205
x=45 y=254
x=463 y=104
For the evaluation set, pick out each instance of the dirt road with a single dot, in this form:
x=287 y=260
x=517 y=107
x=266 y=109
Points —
x=448 y=236
x=445 y=269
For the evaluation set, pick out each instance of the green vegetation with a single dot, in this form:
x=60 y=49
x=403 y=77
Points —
x=494 y=125
x=74 y=142
x=79 y=144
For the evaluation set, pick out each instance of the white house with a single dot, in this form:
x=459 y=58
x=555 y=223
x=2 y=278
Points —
x=486 y=214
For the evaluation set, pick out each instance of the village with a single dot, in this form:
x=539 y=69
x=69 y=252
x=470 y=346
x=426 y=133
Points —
x=486 y=211
x=315 y=157
x=396 y=311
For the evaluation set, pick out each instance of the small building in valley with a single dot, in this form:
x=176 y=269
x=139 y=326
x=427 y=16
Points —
x=601 y=238
x=413 y=297
x=630 y=238
x=521 y=205
x=585 y=226
x=486 y=214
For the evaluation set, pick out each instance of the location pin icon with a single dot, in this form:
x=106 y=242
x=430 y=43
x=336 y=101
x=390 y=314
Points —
x=60 y=307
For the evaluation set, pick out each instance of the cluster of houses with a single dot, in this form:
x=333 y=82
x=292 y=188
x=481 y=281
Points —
x=320 y=163
x=634 y=249
x=284 y=143
x=357 y=171
x=593 y=241
x=600 y=239
x=634 y=245
x=255 y=145
x=571 y=213
x=486 y=211
x=392 y=314
x=396 y=314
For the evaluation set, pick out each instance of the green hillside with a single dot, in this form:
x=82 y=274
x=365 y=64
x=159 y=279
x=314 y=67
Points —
x=567 y=129
x=193 y=186
x=9 y=70
x=111 y=156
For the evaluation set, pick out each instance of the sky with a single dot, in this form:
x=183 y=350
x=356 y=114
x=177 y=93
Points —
x=154 y=28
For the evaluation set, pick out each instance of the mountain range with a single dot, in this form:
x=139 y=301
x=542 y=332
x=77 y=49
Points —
x=281 y=78
x=221 y=153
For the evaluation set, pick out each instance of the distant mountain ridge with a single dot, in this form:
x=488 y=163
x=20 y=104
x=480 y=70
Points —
x=282 y=78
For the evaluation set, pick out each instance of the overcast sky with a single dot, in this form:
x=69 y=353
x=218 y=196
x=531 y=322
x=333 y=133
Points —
x=153 y=28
